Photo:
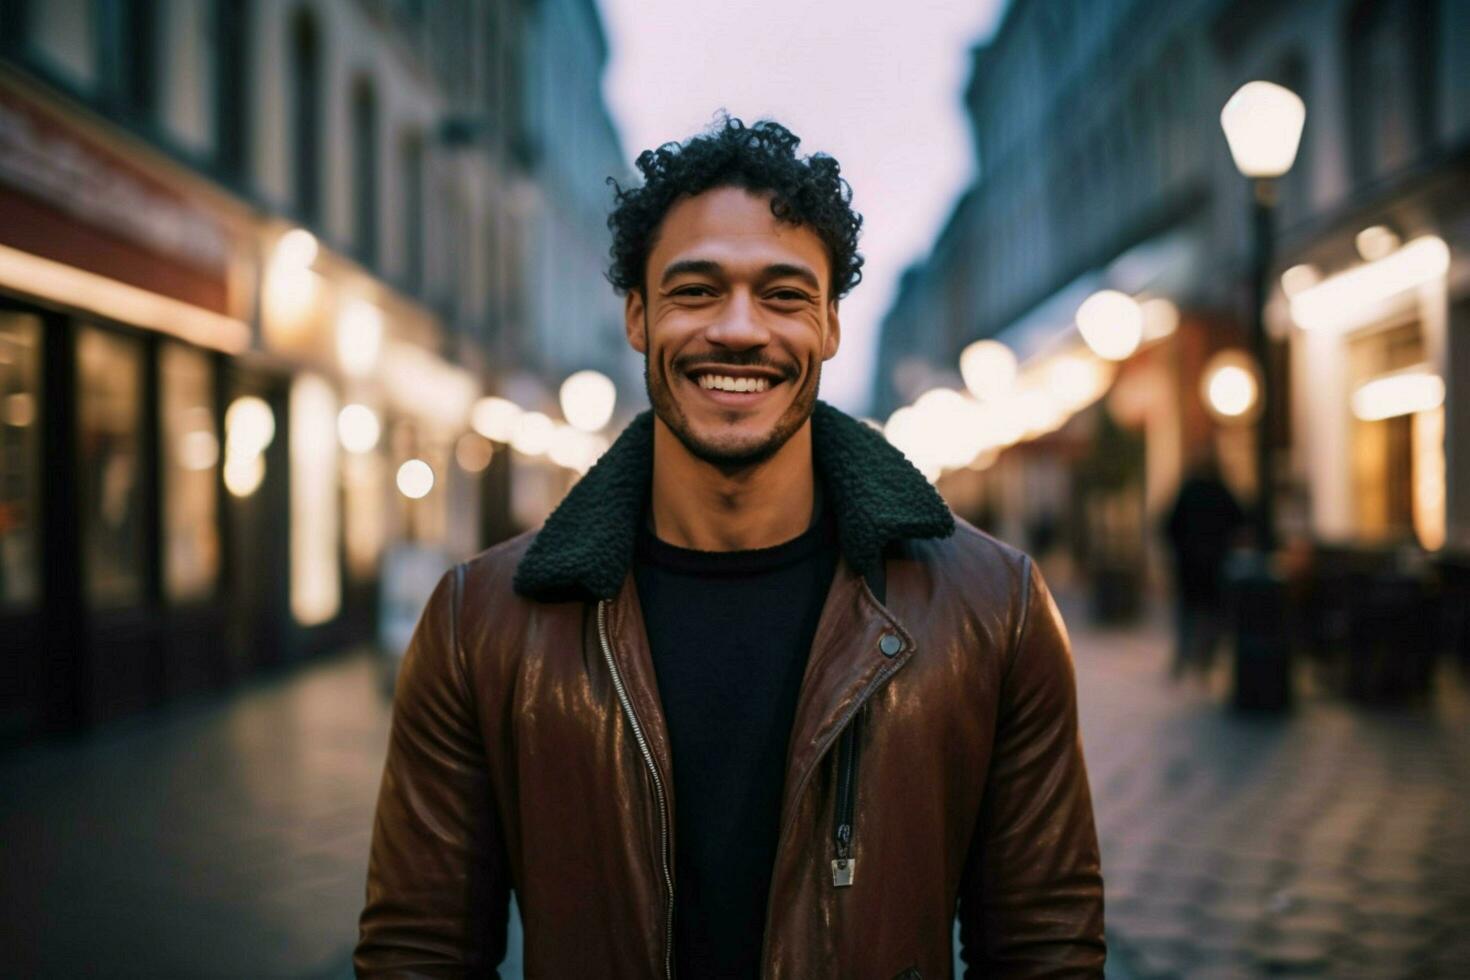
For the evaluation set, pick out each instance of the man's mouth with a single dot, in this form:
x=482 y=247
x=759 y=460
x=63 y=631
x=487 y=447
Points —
x=731 y=384
x=726 y=382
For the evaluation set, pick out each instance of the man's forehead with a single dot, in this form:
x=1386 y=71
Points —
x=729 y=223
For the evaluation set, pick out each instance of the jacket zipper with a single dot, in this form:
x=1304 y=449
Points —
x=844 y=867
x=873 y=685
x=658 y=784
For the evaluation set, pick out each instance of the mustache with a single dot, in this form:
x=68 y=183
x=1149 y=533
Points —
x=685 y=363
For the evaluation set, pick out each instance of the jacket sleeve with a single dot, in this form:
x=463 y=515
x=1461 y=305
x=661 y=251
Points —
x=437 y=888
x=1031 y=901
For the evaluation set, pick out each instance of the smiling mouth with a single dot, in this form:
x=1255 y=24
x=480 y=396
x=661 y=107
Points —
x=732 y=383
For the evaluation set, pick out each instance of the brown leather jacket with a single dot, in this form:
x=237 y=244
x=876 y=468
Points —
x=934 y=763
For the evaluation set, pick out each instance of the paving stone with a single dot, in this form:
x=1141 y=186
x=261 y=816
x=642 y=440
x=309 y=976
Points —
x=1291 y=954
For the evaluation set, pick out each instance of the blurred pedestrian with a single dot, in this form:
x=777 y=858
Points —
x=1201 y=527
x=751 y=702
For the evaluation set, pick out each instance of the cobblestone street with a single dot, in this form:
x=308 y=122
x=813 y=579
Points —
x=1332 y=842
x=230 y=839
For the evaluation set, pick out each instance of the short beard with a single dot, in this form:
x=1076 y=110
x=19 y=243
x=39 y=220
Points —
x=729 y=460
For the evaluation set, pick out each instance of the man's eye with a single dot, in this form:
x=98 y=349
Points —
x=694 y=290
x=789 y=296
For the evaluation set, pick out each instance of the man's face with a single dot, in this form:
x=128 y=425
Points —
x=735 y=324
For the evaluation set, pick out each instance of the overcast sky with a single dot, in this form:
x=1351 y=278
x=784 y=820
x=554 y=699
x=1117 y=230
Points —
x=875 y=83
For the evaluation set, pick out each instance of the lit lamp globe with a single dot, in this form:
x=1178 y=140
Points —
x=1231 y=388
x=587 y=400
x=1263 y=125
x=415 y=479
x=989 y=369
x=495 y=418
x=1111 y=323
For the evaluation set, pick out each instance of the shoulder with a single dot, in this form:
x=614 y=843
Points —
x=492 y=613
x=492 y=570
x=972 y=567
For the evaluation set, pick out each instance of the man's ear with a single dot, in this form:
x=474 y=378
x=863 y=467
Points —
x=834 y=333
x=635 y=320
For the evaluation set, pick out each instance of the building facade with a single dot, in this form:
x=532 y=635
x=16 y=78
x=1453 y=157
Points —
x=1102 y=166
x=258 y=261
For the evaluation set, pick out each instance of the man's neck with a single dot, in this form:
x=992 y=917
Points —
x=697 y=505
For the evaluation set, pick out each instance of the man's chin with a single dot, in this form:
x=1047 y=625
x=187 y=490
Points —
x=730 y=450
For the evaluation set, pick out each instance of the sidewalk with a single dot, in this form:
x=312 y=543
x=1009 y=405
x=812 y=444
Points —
x=1332 y=842
x=230 y=839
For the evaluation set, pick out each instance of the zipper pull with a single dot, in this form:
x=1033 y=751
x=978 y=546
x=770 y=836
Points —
x=843 y=866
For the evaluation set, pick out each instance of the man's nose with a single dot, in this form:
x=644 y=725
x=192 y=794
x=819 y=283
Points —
x=739 y=324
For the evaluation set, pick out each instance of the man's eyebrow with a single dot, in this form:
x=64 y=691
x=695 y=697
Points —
x=785 y=270
x=690 y=267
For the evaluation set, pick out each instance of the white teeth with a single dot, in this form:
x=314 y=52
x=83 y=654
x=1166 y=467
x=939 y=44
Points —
x=726 y=383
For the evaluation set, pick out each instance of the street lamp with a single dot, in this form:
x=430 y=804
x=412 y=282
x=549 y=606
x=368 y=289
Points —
x=1263 y=125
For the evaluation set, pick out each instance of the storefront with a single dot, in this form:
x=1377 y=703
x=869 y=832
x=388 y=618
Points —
x=1375 y=306
x=183 y=499
x=123 y=298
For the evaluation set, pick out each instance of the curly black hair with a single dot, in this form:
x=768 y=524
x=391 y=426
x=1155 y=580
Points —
x=807 y=191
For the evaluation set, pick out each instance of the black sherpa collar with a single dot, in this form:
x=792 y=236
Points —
x=586 y=546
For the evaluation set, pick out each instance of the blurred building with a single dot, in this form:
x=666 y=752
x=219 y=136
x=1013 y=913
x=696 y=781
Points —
x=1102 y=167
x=256 y=256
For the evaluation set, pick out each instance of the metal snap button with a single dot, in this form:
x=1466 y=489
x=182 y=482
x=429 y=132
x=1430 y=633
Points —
x=890 y=644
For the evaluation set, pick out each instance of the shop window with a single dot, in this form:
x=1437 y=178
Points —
x=1384 y=460
x=109 y=412
x=191 y=455
x=20 y=460
x=316 y=580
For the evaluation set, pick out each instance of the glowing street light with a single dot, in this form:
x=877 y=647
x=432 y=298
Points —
x=358 y=428
x=989 y=369
x=1263 y=125
x=250 y=426
x=495 y=418
x=359 y=337
x=1230 y=387
x=297 y=247
x=1111 y=323
x=415 y=479
x=532 y=434
x=587 y=400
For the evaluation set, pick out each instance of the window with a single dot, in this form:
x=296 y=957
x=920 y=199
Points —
x=128 y=34
x=13 y=23
x=1383 y=457
x=365 y=169
x=1390 y=79
x=191 y=454
x=109 y=412
x=1294 y=196
x=306 y=117
x=412 y=173
x=316 y=580
x=231 y=28
x=20 y=460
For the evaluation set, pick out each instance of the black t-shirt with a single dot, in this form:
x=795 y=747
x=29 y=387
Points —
x=730 y=633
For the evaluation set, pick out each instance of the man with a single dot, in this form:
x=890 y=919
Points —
x=1201 y=527
x=749 y=704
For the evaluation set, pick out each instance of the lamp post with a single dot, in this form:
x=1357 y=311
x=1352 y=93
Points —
x=1263 y=125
